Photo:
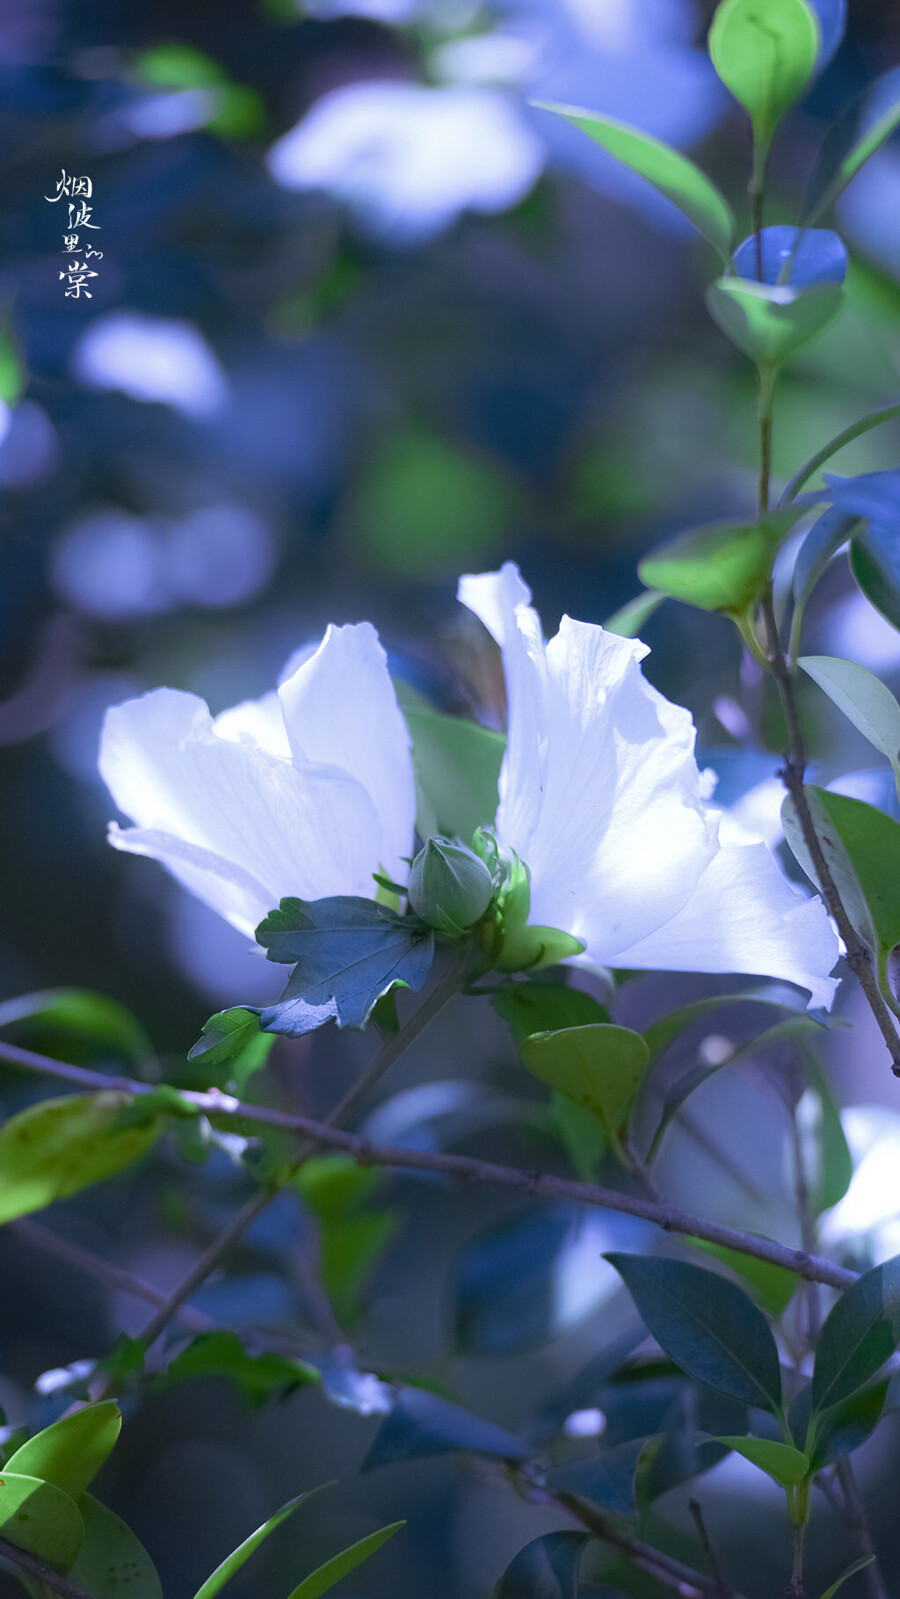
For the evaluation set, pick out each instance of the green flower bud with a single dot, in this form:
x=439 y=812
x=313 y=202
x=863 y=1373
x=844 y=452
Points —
x=449 y=887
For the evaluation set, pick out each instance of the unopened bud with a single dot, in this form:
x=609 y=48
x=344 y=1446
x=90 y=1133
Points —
x=449 y=887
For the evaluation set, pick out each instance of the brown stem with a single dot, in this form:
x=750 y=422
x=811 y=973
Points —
x=656 y=1563
x=54 y=1581
x=858 y=1525
x=857 y=955
x=465 y=1168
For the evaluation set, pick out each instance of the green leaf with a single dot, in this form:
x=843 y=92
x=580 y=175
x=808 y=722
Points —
x=222 y=1354
x=629 y=619
x=547 y=1568
x=822 y=541
x=12 y=372
x=233 y=1562
x=456 y=765
x=706 y=1324
x=60 y=1146
x=334 y=1186
x=234 y=1036
x=765 y=53
x=112 y=1563
x=349 y=951
x=848 y=1425
x=769 y=322
x=863 y=698
x=41 y=1518
x=70 y=1452
x=827 y=189
x=534 y=1007
x=349 y=1250
x=667 y=170
x=785 y=1464
x=81 y=1013
x=859 y=1334
x=724 y=566
x=831 y=1169
x=875 y=564
x=773 y=1287
x=858 y=1565
x=324 y=1578
x=422 y=1424
x=660 y=1034
x=607 y=1479
x=862 y=848
x=874 y=419
x=600 y=1067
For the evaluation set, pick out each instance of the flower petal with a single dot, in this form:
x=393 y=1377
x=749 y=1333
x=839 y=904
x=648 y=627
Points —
x=212 y=808
x=340 y=710
x=744 y=916
x=258 y=722
x=600 y=792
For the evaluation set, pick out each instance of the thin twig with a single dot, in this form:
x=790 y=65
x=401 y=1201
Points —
x=104 y=1271
x=54 y=1581
x=857 y=955
x=656 y=1563
x=858 y=1524
x=722 y=1588
x=542 y=1185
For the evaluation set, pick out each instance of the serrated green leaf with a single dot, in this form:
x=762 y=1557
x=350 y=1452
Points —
x=456 y=765
x=233 y=1562
x=724 y=566
x=769 y=322
x=80 y=1013
x=665 y=169
x=41 y=1518
x=600 y=1066
x=859 y=1334
x=71 y=1451
x=786 y=1465
x=707 y=1324
x=56 y=1148
x=324 y=1578
x=765 y=53
x=863 y=698
x=349 y=951
x=112 y=1561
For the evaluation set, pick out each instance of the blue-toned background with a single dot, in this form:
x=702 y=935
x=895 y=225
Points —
x=364 y=319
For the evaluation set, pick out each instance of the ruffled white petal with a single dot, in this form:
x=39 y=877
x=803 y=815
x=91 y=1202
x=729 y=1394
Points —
x=340 y=709
x=599 y=792
x=235 y=823
x=258 y=722
x=744 y=916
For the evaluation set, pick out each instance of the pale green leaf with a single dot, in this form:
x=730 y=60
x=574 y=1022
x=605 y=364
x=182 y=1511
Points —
x=324 y=1578
x=765 y=53
x=233 y=1562
x=56 y=1148
x=600 y=1066
x=863 y=698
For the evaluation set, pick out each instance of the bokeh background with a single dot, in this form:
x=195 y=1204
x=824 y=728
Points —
x=364 y=319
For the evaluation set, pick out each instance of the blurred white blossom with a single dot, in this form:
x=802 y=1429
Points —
x=151 y=358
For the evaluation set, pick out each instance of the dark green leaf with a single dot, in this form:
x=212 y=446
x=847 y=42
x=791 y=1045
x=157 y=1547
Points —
x=112 y=1563
x=534 y=1007
x=773 y=1287
x=421 y=1423
x=859 y=1334
x=547 y=1568
x=770 y=322
x=222 y=1354
x=600 y=1067
x=667 y=170
x=706 y=1324
x=785 y=1464
x=875 y=563
x=233 y=1562
x=349 y=951
x=606 y=1478
x=56 y=1148
x=456 y=765
x=765 y=52
x=41 y=1518
x=720 y=567
x=324 y=1578
x=71 y=1451
x=849 y=1424
x=80 y=1013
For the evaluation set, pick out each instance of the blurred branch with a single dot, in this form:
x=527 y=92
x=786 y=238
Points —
x=53 y=1581
x=105 y=1271
x=668 y=1571
x=465 y=1168
x=858 y=1525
